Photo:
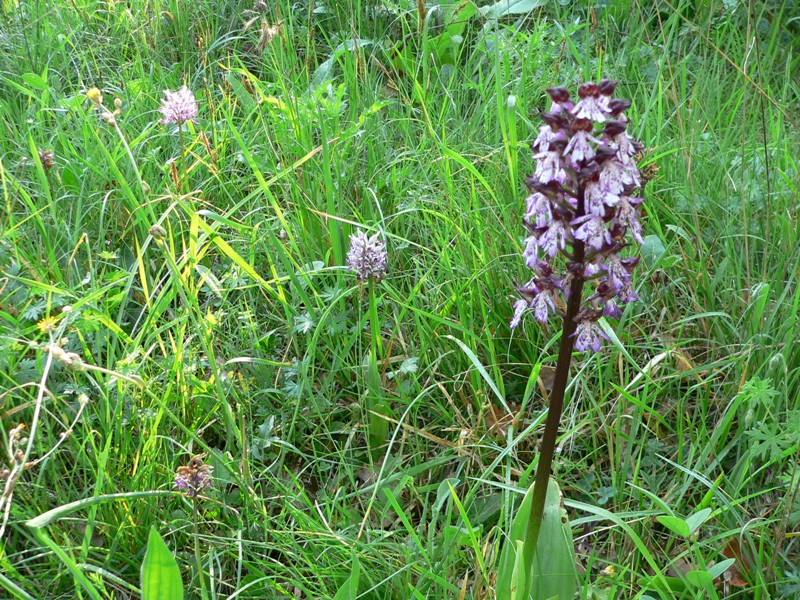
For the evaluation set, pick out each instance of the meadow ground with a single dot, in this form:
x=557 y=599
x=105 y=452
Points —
x=392 y=425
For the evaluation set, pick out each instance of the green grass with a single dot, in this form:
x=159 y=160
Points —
x=253 y=342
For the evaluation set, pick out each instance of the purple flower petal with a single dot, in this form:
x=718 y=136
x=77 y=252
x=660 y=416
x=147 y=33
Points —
x=588 y=336
x=593 y=231
x=628 y=216
x=554 y=238
x=542 y=141
x=618 y=275
x=579 y=147
x=591 y=107
x=598 y=198
x=626 y=293
x=615 y=176
x=543 y=305
x=549 y=167
x=539 y=210
x=612 y=309
x=520 y=306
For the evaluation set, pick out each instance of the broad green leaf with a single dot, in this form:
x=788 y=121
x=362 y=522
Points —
x=699 y=578
x=324 y=72
x=511 y=7
x=349 y=589
x=697 y=519
x=161 y=577
x=652 y=249
x=719 y=568
x=520 y=586
x=37 y=82
x=552 y=574
x=665 y=585
x=675 y=525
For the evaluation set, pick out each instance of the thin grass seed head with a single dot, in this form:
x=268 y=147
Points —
x=367 y=256
x=178 y=107
x=582 y=192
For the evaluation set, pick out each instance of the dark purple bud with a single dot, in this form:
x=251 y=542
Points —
x=590 y=172
x=559 y=94
x=607 y=86
x=545 y=269
x=528 y=292
x=555 y=120
x=617 y=105
x=581 y=125
x=615 y=127
x=588 y=89
x=604 y=153
x=550 y=188
x=605 y=290
x=575 y=268
x=559 y=143
x=617 y=231
x=630 y=263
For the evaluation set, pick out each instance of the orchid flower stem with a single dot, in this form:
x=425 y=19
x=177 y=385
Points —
x=374 y=324
x=184 y=175
x=548 y=447
x=197 y=558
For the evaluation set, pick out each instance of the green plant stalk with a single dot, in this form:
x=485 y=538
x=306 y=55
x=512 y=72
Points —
x=548 y=445
x=184 y=188
x=374 y=326
x=190 y=301
x=78 y=576
x=198 y=560
x=128 y=151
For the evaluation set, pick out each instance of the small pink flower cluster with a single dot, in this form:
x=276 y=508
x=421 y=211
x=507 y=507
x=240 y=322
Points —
x=178 y=107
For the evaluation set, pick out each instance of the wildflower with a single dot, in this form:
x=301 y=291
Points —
x=592 y=231
x=194 y=477
x=555 y=238
x=367 y=256
x=599 y=199
x=47 y=159
x=627 y=215
x=520 y=306
x=178 y=107
x=579 y=147
x=590 y=106
x=550 y=167
x=539 y=210
x=95 y=95
x=47 y=325
x=543 y=305
x=581 y=206
x=588 y=336
x=612 y=309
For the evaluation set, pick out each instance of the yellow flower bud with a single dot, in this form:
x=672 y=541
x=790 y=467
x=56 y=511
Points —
x=95 y=95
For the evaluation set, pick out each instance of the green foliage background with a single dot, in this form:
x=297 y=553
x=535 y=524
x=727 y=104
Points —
x=253 y=341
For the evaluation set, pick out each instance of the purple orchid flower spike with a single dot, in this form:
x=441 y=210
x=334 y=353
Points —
x=581 y=207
